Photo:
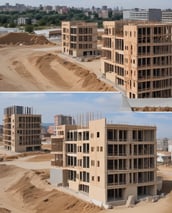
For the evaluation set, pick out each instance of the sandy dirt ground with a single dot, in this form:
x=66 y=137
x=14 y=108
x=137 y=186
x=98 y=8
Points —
x=40 y=158
x=24 y=188
x=38 y=68
x=27 y=190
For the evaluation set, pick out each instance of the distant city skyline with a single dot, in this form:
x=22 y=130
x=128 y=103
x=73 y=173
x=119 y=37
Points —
x=126 y=4
x=109 y=104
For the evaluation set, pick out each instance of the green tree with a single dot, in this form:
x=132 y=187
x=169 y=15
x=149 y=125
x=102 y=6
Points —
x=29 y=28
x=12 y=24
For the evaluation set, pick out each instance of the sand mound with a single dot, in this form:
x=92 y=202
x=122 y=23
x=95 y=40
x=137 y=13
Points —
x=34 y=69
x=26 y=191
x=88 y=80
x=43 y=63
x=36 y=195
x=23 y=38
x=4 y=210
x=61 y=203
x=85 y=79
x=7 y=170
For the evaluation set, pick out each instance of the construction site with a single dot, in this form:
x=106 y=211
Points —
x=91 y=166
x=39 y=66
x=137 y=57
x=25 y=178
x=107 y=162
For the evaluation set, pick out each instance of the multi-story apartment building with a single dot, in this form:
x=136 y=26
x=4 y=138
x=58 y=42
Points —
x=137 y=57
x=104 y=14
x=167 y=16
x=106 y=162
x=148 y=15
x=18 y=7
x=79 y=38
x=22 y=20
x=62 y=120
x=142 y=14
x=48 y=8
x=162 y=144
x=21 y=129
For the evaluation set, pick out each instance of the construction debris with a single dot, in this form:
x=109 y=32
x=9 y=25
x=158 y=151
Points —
x=131 y=201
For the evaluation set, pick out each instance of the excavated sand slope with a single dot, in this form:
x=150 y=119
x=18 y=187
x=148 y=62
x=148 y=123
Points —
x=51 y=66
x=28 y=191
x=24 y=68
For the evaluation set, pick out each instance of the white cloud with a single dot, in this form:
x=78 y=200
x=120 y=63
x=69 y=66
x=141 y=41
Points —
x=21 y=95
x=50 y=104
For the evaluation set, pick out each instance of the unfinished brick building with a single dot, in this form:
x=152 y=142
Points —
x=21 y=129
x=106 y=162
x=137 y=57
x=62 y=120
x=79 y=39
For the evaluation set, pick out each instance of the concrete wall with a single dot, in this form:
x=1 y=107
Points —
x=73 y=185
x=130 y=190
x=56 y=176
x=110 y=76
x=98 y=187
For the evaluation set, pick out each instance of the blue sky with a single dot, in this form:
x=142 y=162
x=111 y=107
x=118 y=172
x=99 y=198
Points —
x=49 y=104
x=85 y=3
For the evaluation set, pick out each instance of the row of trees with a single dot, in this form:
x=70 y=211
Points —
x=43 y=19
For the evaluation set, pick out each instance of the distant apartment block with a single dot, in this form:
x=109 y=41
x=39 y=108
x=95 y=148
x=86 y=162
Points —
x=104 y=14
x=62 y=120
x=79 y=39
x=21 y=129
x=10 y=8
x=22 y=21
x=142 y=14
x=137 y=57
x=148 y=15
x=48 y=8
x=167 y=16
x=162 y=144
x=63 y=10
x=106 y=162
